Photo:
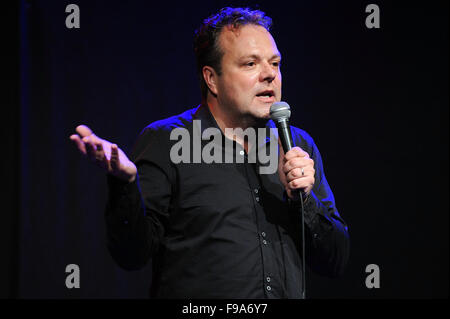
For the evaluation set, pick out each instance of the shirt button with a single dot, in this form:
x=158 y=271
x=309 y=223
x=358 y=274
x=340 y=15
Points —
x=269 y=288
x=265 y=242
x=268 y=279
x=263 y=234
x=315 y=235
x=257 y=198
x=256 y=191
x=241 y=152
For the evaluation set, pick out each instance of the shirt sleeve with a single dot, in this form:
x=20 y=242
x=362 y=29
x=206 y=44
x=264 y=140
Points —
x=136 y=213
x=327 y=242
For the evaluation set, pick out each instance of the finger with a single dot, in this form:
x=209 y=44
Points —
x=100 y=156
x=296 y=152
x=90 y=148
x=96 y=153
x=115 y=162
x=300 y=172
x=80 y=145
x=300 y=183
x=98 y=147
x=295 y=173
x=83 y=130
x=94 y=138
x=297 y=162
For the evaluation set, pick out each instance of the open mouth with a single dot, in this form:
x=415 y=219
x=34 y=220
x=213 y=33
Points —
x=267 y=93
x=266 y=96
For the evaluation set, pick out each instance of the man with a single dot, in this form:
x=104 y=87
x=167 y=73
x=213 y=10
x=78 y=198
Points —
x=222 y=230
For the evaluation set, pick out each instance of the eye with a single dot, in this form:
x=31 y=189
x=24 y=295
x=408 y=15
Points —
x=250 y=63
x=276 y=64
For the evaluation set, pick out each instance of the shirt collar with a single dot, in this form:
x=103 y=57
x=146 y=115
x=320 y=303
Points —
x=203 y=114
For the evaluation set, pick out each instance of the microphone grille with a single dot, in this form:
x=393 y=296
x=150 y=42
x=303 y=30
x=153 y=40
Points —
x=280 y=111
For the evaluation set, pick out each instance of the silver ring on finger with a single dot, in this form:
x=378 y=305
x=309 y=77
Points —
x=303 y=172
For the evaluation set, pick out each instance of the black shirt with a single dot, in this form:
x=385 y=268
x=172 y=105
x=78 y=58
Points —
x=219 y=230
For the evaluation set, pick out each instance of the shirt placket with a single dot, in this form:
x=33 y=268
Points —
x=265 y=233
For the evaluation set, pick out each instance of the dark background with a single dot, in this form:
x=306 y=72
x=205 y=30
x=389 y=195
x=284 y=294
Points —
x=374 y=100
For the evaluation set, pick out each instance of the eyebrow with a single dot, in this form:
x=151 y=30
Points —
x=254 y=56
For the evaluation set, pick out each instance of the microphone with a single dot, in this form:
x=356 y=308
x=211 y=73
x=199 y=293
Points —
x=280 y=112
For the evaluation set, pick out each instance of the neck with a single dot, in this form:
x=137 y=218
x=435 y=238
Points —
x=226 y=118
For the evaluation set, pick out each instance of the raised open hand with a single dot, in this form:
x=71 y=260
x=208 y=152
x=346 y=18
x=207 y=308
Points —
x=104 y=154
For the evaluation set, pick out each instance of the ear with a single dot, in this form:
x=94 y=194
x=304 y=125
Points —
x=210 y=77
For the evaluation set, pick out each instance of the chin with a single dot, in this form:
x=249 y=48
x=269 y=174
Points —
x=259 y=112
x=265 y=115
x=265 y=111
x=261 y=118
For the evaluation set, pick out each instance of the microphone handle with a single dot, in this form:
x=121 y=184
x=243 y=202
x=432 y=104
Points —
x=286 y=142
x=284 y=132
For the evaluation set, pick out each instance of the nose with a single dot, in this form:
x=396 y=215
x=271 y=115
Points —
x=268 y=73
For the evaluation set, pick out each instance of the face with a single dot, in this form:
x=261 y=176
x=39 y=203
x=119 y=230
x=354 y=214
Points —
x=250 y=81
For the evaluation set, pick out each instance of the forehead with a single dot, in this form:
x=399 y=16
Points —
x=247 y=40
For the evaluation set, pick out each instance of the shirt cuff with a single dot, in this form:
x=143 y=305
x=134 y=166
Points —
x=117 y=186
x=123 y=200
x=311 y=210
